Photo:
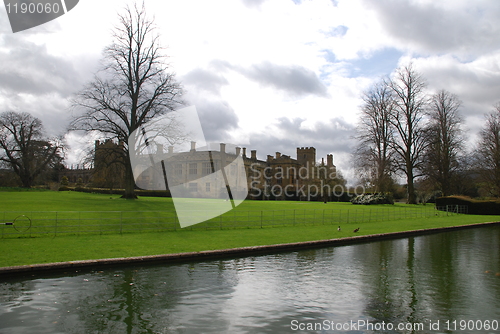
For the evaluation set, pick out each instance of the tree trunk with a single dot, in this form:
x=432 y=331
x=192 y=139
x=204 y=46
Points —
x=412 y=198
x=129 y=182
x=26 y=180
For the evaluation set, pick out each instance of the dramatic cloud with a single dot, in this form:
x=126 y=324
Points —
x=204 y=79
x=462 y=27
x=217 y=117
x=28 y=68
x=294 y=80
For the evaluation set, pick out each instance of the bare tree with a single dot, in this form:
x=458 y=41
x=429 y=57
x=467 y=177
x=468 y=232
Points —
x=445 y=141
x=25 y=148
x=488 y=152
x=133 y=88
x=409 y=144
x=375 y=134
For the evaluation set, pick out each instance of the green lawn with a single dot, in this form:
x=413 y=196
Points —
x=46 y=213
x=47 y=248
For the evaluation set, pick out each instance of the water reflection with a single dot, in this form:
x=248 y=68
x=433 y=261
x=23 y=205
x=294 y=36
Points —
x=442 y=277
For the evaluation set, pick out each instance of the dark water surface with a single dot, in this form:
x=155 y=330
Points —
x=452 y=277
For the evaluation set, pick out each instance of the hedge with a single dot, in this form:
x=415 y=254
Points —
x=138 y=192
x=475 y=207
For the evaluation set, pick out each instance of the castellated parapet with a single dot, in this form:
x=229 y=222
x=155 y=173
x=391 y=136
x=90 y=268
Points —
x=306 y=156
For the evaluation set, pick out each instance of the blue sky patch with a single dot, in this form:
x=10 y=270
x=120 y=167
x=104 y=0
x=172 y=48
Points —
x=379 y=63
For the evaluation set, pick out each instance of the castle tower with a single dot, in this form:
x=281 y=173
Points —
x=306 y=156
x=329 y=160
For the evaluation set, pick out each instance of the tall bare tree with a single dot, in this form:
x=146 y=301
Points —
x=488 y=153
x=407 y=114
x=445 y=141
x=25 y=148
x=375 y=134
x=133 y=87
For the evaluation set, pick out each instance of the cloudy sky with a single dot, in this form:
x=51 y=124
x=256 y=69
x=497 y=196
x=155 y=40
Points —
x=271 y=75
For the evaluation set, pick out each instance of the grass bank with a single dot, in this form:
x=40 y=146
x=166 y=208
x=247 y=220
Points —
x=25 y=251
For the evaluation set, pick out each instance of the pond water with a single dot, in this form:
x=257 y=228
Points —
x=429 y=284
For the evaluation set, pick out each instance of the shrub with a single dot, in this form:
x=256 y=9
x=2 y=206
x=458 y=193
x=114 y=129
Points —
x=64 y=181
x=378 y=198
x=475 y=207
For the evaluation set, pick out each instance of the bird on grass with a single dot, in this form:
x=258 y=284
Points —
x=338 y=229
x=356 y=230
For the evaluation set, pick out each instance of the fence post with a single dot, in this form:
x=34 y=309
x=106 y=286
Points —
x=55 y=227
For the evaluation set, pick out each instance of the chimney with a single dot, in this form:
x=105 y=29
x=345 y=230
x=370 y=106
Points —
x=278 y=155
x=159 y=148
x=269 y=157
x=244 y=152
x=329 y=160
x=170 y=149
x=254 y=154
x=238 y=151
x=222 y=148
x=193 y=146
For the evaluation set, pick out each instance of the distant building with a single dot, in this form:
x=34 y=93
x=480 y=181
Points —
x=278 y=176
x=109 y=164
x=107 y=170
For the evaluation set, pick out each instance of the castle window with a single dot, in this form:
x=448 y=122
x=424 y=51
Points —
x=178 y=169
x=193 y=168
x=193 y=186
x=206 y=168
x=207 y=187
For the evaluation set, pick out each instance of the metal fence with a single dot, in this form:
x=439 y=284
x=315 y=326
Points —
x=53 y=223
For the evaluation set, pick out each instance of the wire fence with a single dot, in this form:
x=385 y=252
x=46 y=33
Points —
x=53 y=223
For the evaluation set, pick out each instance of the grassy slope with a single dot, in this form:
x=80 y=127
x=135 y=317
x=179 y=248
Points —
x=66 y=248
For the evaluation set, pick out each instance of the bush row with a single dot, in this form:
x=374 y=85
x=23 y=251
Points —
x=475 y=207
x=377 y=198
x=138 y=192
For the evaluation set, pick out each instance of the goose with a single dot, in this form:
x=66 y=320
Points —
x=356 y=230
x=338 y=229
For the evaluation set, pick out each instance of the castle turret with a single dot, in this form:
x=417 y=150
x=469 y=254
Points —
x=329 y=160
x=306 y=156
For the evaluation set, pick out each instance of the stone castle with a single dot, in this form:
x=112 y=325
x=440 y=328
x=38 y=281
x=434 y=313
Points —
x=263 y=178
